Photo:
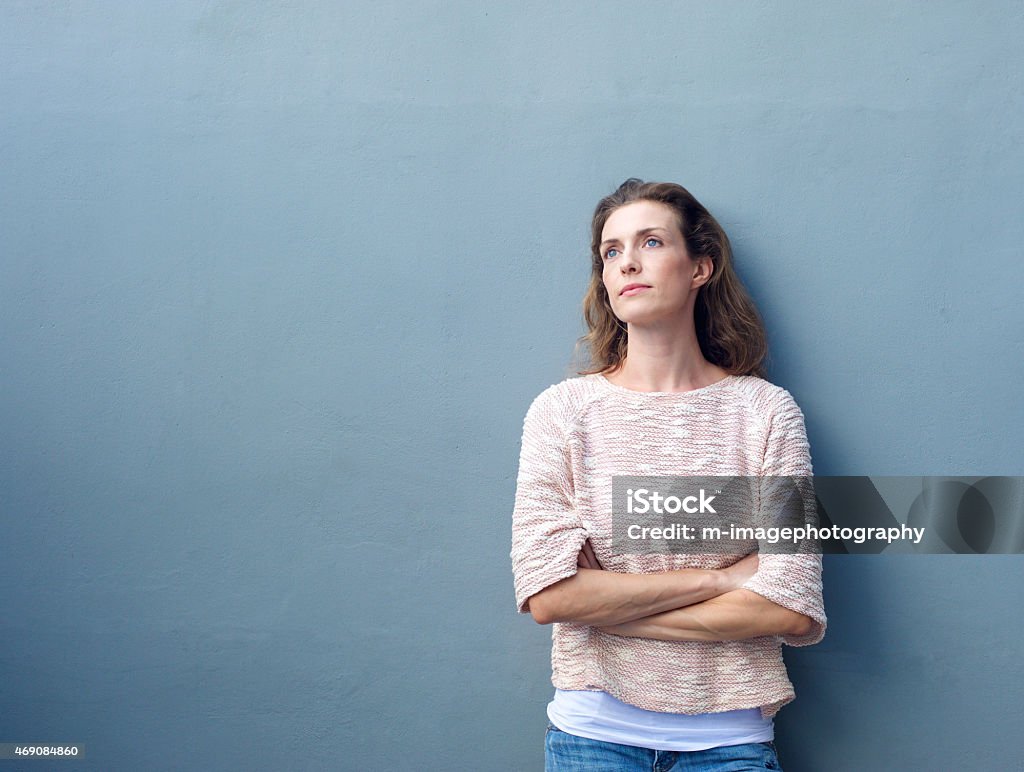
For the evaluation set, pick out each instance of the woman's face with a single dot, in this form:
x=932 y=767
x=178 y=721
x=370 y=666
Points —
x=641 y=245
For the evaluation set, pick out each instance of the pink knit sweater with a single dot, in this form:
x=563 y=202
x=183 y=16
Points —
x=577 y=434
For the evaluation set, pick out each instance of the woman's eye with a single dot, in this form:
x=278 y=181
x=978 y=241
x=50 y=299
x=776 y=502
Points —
x=610 y=253
x=649 y=240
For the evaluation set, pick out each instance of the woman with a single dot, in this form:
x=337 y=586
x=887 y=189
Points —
x=660 y=661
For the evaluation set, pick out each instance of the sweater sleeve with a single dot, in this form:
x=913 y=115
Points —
x=792 y=581
x=547 y=533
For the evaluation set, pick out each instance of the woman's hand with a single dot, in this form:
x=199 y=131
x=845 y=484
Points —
x=738 y=573
x=587 y=558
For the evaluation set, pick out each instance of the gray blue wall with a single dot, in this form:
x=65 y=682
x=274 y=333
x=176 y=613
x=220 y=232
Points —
x=279 y=281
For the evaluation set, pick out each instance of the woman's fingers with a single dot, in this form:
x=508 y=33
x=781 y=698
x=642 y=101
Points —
x=581 y=559
x=586 y=557
x=589 y=550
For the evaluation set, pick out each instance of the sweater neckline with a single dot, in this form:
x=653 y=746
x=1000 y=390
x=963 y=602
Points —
x=601 y=379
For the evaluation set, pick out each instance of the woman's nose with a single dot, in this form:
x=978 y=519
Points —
x=629 y=260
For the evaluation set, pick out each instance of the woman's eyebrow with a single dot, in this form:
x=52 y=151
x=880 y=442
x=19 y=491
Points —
x=640 y=232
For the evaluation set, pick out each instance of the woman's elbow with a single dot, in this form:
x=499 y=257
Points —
x=800 y=624
x=539 y=610
x=558 y=602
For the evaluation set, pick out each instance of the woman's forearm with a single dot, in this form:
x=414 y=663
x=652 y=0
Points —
x=731 y=616
x=598 y=597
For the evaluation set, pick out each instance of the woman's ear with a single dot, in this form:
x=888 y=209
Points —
x=703 y=269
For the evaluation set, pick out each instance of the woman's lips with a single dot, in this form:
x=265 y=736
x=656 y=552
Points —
x=634 y=291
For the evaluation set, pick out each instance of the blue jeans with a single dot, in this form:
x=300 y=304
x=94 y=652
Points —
x=564 y=752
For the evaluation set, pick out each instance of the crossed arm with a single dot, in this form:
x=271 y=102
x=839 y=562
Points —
x=686 y=604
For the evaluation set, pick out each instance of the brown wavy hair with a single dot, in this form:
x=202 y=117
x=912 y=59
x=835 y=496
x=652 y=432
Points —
x=729 y=328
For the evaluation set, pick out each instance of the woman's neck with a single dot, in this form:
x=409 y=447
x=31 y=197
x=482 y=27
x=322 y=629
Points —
x=651 y=374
